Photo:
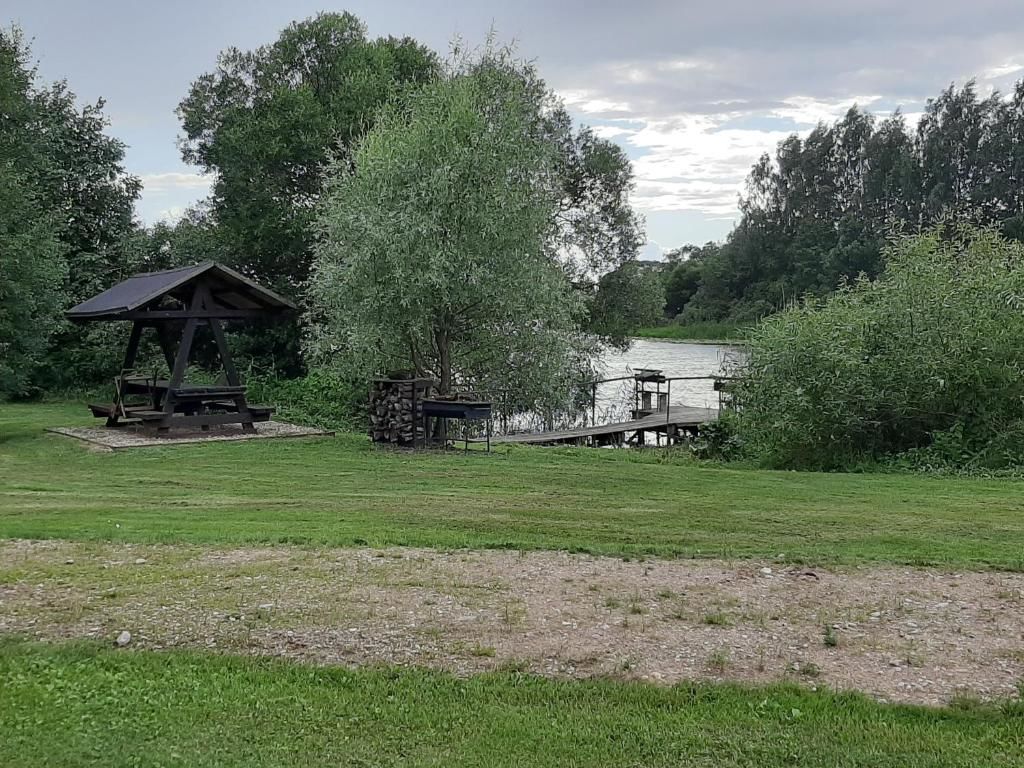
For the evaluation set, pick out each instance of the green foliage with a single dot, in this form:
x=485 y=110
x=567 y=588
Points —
x=267 y=121
x=67 y=220
x=193 y=238
x=318 y=399
x=627 y=298
x=436 y=251
x=925 y=358
x=829 y=637
x=681 y=283
x=32 y=272
x=32 y=263
x=719 y=441
x=94 y=198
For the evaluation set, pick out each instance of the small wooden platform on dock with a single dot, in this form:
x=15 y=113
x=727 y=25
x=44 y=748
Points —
x=680 y=419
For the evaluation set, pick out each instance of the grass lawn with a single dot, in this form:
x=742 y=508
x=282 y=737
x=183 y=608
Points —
x=340 y=491
x=80 y=704
x=695 y=332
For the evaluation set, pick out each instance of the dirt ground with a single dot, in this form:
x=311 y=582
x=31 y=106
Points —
x=134 y=436
x=900 y=634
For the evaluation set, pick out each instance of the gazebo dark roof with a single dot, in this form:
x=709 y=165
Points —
x=232 y=294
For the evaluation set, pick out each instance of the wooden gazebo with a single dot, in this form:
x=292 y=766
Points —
x=175 y=303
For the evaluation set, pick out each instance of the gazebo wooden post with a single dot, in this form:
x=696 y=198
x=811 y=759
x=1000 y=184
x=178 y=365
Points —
x=132 y=350
x=241 y=404
x=181 y=361
x=166 y=345
x=230 y=373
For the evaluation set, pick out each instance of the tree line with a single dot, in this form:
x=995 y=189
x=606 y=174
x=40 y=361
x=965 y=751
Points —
x=543 y=246
x=66 y=222
x=820 y=210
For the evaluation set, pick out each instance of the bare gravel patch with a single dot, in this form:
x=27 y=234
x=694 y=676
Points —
x=901 y=634
x=134 y=436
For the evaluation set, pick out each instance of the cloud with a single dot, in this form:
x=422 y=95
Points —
x=195 y=184
x=1005 y=69
x=172 y=215
x=167 y=196
x=651 y=251
x=696 y=93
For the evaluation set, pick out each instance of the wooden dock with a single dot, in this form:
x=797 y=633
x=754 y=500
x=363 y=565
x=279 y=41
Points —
x=679 y=419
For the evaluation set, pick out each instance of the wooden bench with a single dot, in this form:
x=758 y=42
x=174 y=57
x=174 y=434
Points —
x=207 y=393
x=146 y=415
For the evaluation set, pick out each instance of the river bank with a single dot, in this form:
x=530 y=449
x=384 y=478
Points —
x=697 y=333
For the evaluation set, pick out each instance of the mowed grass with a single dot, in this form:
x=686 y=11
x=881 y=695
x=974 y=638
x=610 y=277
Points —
x=83 y=705
x=340 y=491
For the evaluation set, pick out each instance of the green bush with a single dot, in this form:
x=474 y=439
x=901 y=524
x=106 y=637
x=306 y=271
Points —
x=694 y=332
x=719 y=441
x=926 y=359
x=319 y=399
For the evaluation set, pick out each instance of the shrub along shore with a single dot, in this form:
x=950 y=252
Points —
x=708 y=333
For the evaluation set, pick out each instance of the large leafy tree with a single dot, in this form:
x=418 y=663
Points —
x=68 y=207
x=441 y=250
x=595 y=229
x=628 y=297
x=682 y=275
x=32 y=265
x=93 y=198
x=266 y=121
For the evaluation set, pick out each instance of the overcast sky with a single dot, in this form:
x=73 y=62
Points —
x=693 y=91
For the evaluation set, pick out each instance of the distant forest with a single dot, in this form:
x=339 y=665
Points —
x=820 y=211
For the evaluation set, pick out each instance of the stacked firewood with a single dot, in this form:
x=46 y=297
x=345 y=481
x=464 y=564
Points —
x=396 y=409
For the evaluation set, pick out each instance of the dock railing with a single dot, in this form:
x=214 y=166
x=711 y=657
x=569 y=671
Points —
x=667 y=380
x=511 y=421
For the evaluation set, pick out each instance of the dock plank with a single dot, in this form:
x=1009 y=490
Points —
x=679 y=416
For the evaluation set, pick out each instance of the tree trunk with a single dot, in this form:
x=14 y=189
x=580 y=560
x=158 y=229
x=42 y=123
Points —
x=444 y=361
x=444 y=364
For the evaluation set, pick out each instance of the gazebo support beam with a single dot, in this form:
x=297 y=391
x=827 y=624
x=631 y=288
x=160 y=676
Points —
x=241 y=404
x=184 y=314
x=184 y=349
x=166 y=345
x=132 y=351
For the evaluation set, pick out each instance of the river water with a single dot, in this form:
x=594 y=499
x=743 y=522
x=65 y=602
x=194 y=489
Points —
x=673 y=358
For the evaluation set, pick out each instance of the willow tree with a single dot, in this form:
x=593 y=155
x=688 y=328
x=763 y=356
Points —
x=436 y=252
